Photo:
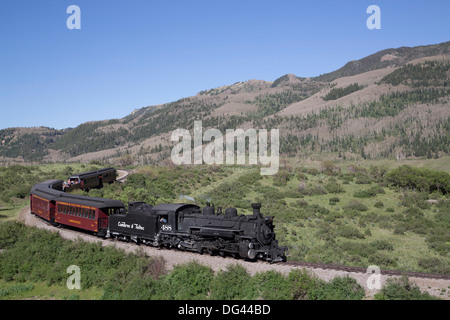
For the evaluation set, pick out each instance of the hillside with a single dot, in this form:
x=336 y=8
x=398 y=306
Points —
x=386 y=58
x=391 y=104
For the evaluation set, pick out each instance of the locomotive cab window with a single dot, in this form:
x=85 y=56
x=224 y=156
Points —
x=163 y=222
x=163 y=218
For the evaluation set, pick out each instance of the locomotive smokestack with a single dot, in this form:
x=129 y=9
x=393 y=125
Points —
x=208 y=209
x=256 y=207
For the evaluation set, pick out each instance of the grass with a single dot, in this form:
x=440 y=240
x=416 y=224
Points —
x=442 y=163
x=12 y=212
x=41 y=290
x=232 y=173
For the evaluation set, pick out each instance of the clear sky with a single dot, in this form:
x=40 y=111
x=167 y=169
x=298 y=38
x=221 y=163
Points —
x=136 y=53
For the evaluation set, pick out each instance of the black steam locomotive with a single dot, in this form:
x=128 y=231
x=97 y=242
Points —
x=186 y=227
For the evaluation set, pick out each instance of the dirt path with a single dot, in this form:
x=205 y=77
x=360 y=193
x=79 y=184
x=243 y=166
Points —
x=174 y=257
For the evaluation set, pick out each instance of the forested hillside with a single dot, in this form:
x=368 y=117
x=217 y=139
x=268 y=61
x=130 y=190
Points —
x=394 y=107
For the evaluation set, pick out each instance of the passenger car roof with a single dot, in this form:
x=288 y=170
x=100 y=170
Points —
x=45 y=190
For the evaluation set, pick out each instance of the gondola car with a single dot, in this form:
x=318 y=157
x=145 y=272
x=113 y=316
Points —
x=91 y=179
x=59 y=208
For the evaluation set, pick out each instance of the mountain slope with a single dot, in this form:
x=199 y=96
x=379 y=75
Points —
x=393 y=103
x=386 y=58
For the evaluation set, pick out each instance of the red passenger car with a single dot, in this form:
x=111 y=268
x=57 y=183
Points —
x=91 y=214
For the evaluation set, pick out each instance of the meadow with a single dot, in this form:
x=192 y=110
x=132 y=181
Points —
x=340 y=213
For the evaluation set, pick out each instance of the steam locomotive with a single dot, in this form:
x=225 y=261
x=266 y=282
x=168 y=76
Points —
x=182 y=226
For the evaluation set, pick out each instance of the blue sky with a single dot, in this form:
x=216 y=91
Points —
x=136 y=53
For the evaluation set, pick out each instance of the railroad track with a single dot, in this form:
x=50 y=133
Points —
x=331 y=267
x=123 y=175
x=364 y=270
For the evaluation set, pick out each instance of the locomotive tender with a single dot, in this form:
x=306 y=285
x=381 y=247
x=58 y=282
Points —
x=182 y=226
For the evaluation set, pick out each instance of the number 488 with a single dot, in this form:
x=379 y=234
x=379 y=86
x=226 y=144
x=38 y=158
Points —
x=166 y=227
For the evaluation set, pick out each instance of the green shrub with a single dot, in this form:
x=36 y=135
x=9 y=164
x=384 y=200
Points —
x=141 y=288
x=371 y=192
x=382 y=245
x=333 y=201
x=421 y=179
x=347 y=178
x=413 y=212
x=334 y=187
x=329 y=168
x=362 y=178
x=371 y=217
x=190 y=281
x=10 y=233
x=382 y=260
x=434 y=265
x=378 y=172
x=378 y=204
x=363 y=194
x=414 y=199
x=311 y=190
x=231 y=284
x=281 y=178
x=400 y=229
x=302 y=203
x=340 y=288
x=16 y=289
x=402 y=289
x=358 y=249
x=272 y=285
x=356 y=205
x=349 y=232
x=302 y=282
x=438 y=239
x=317 y=211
